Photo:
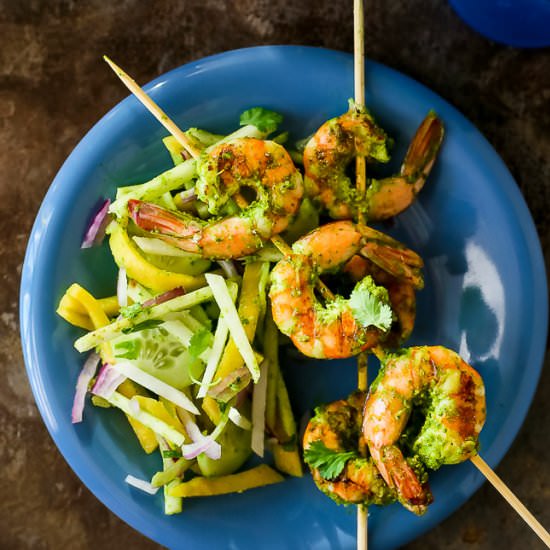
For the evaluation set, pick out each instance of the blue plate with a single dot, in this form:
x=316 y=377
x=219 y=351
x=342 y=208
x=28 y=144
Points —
x=485 y=292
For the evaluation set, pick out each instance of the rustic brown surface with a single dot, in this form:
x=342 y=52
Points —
x=54 y=86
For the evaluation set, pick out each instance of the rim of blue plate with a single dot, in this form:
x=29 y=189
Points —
x=73 y=454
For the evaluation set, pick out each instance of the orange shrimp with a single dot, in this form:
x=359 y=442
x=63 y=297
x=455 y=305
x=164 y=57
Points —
x=263 y=166
x=338 y=427
x=452 y=396
x=337 y=329
x=335 y=144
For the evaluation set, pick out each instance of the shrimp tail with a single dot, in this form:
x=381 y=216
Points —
x=151 y=217
x=414 y=494
x=423 y=150
x=390 y=196
x=393 y=257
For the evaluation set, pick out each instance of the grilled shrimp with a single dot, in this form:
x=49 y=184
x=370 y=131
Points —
x=451 y=395
x=263 y=166
x=338 y=427
x=337 y=329
x=339 y=140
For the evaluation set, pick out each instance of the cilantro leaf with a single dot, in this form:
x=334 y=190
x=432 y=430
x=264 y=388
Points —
x=129 y=312
x=149 y=323
x=130 y=349
x=264 y=119
x=171 y=453
x=330 y=463
x=199 y=342
x=370 y=305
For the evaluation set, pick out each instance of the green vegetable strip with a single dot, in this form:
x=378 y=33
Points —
x=172 y=470
x=250 y=304
x=220 y=337
x=113 y=330
x=229 y=313
x=288 y=423
x=170 y=180
x=190 y=322
x=200 y=315
x=172 y=505
x=158 y=426
x=248 y=131
x=258 y=411
x=271 y=353
x=156 y=247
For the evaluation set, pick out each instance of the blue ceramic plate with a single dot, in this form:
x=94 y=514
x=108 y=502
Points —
x=485 y=292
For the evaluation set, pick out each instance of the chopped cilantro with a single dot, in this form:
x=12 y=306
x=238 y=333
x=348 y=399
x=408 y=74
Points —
x=172 y=453
x=150 y=323
x=370 y=305
x=130 y=349
x=199 y=342
x=329 y=463
x=264 y=119
x=129 y=312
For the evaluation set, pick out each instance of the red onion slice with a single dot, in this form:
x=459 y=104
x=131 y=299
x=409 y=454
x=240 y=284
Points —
x=96 y=230
x=201 y=444
x=107 y=381
x=164 y=297
x=86 y=374
x=229 y=268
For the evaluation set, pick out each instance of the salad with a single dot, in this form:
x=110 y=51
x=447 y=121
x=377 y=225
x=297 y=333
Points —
x=187 y=348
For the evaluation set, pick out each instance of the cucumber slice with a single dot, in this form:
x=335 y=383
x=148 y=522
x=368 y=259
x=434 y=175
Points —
x=179 y=264
x=160 y=354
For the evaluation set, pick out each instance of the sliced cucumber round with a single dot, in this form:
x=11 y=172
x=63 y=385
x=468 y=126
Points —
x=160 y=354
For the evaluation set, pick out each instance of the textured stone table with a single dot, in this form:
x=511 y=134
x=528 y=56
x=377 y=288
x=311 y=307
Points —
x=54 y=86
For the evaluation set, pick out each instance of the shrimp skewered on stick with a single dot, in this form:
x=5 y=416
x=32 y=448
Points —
x=330 y=444
x=263 y=166
x=341 y=328
x=452 y=395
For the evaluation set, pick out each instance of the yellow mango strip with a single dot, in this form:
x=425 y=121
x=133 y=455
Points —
x=146 y=437
x=157 y=409
x=234 y=483
x=249 y=309
x=76 y=319
x=95 y=313
x=110 y=305
x=287 y=459
x=126 y=254
x=212 y=409
x=175 y=148
x=75 y=313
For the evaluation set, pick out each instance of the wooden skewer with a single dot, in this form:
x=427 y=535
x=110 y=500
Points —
x=360 y=171
x=512 y=499
x=154 y=109
x=161 y=116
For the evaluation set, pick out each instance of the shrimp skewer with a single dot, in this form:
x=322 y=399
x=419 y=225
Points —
x=452 y=395
x=337 y=426
x=338 y=140
x=337 y=330
x=263 y=166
